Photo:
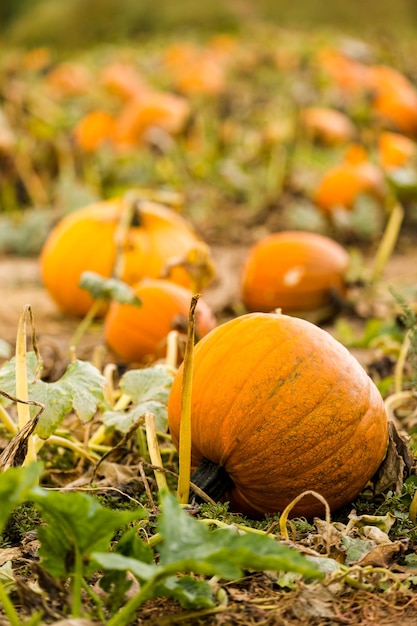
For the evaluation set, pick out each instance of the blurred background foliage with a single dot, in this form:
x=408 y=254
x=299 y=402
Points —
x=80 y=23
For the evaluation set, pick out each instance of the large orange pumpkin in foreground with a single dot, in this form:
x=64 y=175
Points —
x=138 y=333
x=279 y=407
x=296 y=271
x=85 y=241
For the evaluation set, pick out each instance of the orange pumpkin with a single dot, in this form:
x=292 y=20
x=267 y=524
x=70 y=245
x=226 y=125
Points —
x=326 y=125
x=85 y=241
x=395 y=150
x=279 y=407
x=394 y=99
x=94 y=129
x=295 y=271
x=343 y=183
x=138 y=334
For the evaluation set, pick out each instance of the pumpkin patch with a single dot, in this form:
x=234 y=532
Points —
x=281 y=407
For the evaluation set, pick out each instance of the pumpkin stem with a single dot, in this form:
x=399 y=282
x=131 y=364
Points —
x=211 y=478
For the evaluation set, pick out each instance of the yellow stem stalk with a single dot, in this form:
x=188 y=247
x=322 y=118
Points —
x=153 y=449
x=22 y=392
x=183 y=491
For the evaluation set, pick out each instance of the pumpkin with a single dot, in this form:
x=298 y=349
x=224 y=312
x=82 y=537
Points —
x=138 y=333
x=342 y=184
x=395 y=150
x=94 y=130
x=326 y=125
x=294 y=270
x=85 y=241
x=394 y=99
x=280 y=407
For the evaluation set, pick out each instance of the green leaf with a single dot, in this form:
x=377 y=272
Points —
x=8 y=375
x=151 y=383
x=80 y=389
x=16 y=486
x=108 y=289
x=75 y=522
x=124 y=421
x=222 y=552
x=188 y=591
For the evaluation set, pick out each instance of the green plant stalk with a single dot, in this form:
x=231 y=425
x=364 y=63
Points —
x=22 y=393
x=70 y=445
x=153 y=449
x=96 y=599
x=8 y=607
x=86 y=322
x=183 y=490
x=388 y=241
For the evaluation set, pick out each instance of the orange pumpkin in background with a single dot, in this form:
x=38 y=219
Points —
x=296 y=271
x=85 y=240
x=394 y=99
x=395 y=150
x=280 y=407
x=326 y=125
x=137 y=334
x=343 y=183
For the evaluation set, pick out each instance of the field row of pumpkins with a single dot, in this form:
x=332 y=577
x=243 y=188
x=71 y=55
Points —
x=196 y=118
x=267 y=384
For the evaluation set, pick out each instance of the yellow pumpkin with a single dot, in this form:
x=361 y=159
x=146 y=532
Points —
x=85 y=241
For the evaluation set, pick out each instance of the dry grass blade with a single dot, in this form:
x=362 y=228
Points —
x=15 y=453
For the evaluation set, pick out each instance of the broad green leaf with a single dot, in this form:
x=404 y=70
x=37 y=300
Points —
x=108 y=289
x=151 y=383
x=75 y=522
x=8 y=376
x=80 y=389
x=355 y=548
x=115 y=561
x=124 y=421
x=16 y=485
x=223 y=552
x=190 y=592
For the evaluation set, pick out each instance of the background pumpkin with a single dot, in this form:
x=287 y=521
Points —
x=281 y=407
x=85 y=241
x=294 y=270
x=138 y=334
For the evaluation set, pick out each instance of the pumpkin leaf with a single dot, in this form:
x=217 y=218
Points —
x=75 y=522
x=152 y=383
x=80 y=389
x=16 y=484
x=124 y=421
x=222 y=552
x=108 y=289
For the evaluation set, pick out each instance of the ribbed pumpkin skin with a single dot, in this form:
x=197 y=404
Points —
x=284 y=408
x=84 y=241
x=293 y=270
x=138 y=334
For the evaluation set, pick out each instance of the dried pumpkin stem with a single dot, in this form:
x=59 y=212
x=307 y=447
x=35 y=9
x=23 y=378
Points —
x=388 y=241
x=154 y=453
x=172 y=349
x=130 y=202
x=185 y=425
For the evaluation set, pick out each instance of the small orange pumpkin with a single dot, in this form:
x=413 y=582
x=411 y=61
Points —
x=326 y=125
x=279 y=407
x=394 y=99
x=395 y=150
x=85 y=241
x=295 y=271
x=343 y=183
x=137 y=334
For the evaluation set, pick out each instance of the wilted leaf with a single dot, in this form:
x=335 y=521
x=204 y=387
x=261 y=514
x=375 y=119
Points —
x=108 y=289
